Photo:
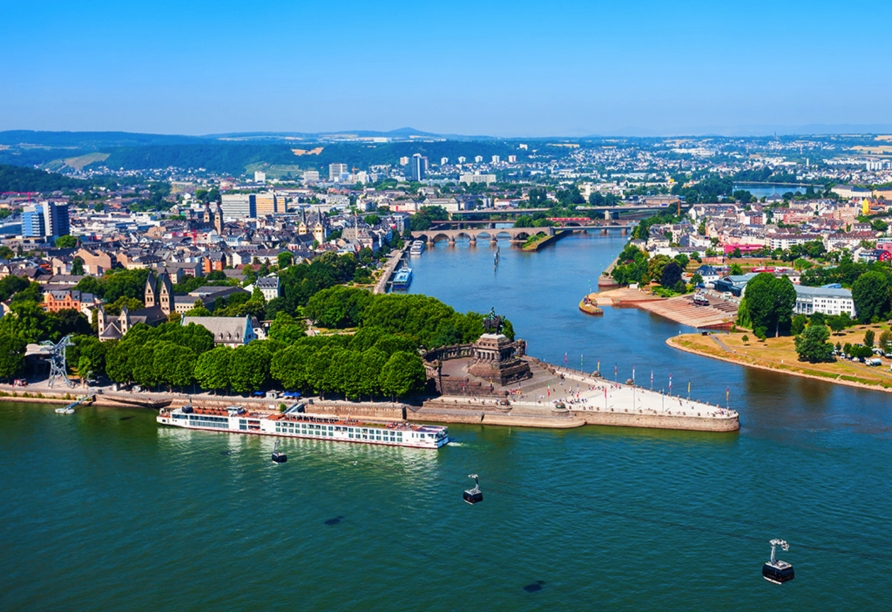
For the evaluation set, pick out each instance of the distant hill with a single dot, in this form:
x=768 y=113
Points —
x=17 y=178
x=91 y=140
x=233 y=158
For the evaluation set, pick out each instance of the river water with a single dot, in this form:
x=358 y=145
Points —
x=105 y=510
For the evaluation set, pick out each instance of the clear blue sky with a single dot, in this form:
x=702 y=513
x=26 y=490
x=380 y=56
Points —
x=513 y=68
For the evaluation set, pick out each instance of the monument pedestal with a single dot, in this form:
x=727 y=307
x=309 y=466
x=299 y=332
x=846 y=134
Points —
x=497 y=359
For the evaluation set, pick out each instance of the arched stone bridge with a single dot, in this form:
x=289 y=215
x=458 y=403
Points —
x=515 y=234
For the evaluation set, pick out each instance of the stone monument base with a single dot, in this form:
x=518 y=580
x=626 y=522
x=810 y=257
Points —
x=496 y=360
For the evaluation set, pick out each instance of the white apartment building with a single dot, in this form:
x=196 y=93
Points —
x=829 y=301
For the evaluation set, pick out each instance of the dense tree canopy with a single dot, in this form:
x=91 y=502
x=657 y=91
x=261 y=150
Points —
x=768 y=304
x=812 y=345
x=870 y=292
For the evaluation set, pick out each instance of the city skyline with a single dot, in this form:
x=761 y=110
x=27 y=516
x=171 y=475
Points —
x=503 y=70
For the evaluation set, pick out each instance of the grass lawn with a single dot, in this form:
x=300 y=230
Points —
x=780 y=354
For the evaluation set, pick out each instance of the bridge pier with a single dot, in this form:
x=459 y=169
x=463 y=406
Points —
x=473 y=239
x=604 y=232
x=451 y=240
x=625 y=231
x=608 y=215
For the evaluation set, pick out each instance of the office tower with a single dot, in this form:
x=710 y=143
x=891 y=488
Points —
x=336 y=170
x=33 y=222
x=269 y=204
x=418 y=167
x=56 y=220
x=239 y=205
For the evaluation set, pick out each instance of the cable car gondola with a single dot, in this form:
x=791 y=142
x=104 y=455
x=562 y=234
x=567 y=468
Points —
x=778 y=571
x=473 y=496
x=277 y=456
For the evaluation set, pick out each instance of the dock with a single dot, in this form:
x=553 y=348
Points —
x=393 y=263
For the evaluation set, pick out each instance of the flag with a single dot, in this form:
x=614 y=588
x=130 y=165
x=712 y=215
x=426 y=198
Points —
x=689 y=387
x=633 y=374
x=727 y=393
x=670 y=383
x=615 y=370
x=599 y=365
x=565 y=358
x=651 y=378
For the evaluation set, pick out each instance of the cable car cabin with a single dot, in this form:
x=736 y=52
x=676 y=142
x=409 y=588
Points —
x=775 y=570
x=778 y=572
x=277 y=456
x=473 y=496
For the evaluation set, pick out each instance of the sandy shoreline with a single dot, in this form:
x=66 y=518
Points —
x=740 y=362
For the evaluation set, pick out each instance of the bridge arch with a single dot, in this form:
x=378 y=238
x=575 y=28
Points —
x=439 y=237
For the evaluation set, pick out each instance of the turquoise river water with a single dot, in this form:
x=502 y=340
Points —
x=106 y=510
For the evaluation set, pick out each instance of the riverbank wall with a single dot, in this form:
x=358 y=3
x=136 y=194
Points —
x=732 y=358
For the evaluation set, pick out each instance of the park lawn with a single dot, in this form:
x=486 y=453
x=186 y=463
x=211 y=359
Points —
x=780 y=354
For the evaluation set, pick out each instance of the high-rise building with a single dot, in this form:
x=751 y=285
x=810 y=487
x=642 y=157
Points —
x=311 y=176
x=496 y=159
x=404 y=161
x=512 y=159
x=444 y=161
x=269 y=204
x=33 y=222
x=239 y=205
x=259 y=177
x=418 y=167
x=47 y=219
x=462 y=159
x=56 y=220
x=336 y=170
x=478 y=159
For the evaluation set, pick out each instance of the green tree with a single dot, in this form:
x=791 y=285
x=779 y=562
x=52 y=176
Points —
x=868 y=338
x=285 y=259
x=671 y=275
x=870 y=292
x=77 y=267
x=66 y=242
x=402 y=374
x=338 y=307
x=736 y=270
x=798 y=324
x=212 y=368
x=174 y=365
x=769 y=303
x=885 y=342
x=286 y=328
x=812 y=345
x=12 y=355
x=249 y=368
x=289 y=366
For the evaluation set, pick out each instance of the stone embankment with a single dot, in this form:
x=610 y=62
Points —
x=577 y=400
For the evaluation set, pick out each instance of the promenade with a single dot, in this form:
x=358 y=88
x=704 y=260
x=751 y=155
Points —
x=558 y=397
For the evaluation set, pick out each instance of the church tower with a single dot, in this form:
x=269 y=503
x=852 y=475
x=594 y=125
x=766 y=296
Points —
x=151 y=294
x=218 y=219
x=165 y=293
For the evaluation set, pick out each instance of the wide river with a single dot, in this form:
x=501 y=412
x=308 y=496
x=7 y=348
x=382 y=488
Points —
x=106 y=510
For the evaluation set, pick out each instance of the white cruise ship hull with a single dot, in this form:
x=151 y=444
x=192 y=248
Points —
x=312 y=428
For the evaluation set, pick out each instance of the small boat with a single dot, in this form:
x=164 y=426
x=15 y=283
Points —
x=701 y=300
x=277 y=456
x=473 y=496
x=65 y=410
x=777 y=571
x=403 y=277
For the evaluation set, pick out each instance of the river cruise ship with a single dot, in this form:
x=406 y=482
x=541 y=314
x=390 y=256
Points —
x=417 y=247
x=403 y=277
x=294 y=424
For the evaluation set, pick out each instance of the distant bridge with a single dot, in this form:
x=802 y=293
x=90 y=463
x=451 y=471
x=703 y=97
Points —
x=515 y=234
